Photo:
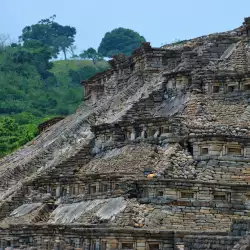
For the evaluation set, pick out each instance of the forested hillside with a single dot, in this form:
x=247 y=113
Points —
x=27 y=99
x=35 y=86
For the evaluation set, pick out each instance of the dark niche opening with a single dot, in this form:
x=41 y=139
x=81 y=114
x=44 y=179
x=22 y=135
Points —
x=160 y=193
x=246 y=87
x=190 y=148
x=216 y=89
x=231 y=88
x=154 y=246
x=127 y=246
x=204 y=151
x=187 y=195
x=132 y=67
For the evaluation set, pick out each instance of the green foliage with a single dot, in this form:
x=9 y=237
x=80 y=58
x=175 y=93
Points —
x=50 y=33
x=76 y=70
x=14 y=134
x=118 y=41
x=17 y=130
x=91 y=53
x=27 y=97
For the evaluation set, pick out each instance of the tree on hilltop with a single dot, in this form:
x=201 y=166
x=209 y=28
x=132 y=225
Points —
x=92 y=54
x=50 y=33
x=118 y=41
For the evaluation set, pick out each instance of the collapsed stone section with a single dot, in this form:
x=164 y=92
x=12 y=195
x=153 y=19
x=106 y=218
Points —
x=157 y=157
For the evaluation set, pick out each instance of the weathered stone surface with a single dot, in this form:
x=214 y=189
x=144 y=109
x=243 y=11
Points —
x=157 y=157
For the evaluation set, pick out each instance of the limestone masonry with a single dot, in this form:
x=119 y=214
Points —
x=156 y=158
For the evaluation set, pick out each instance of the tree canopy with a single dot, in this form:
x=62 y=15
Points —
x=92 y=54
x=118 y=41
x=50 y=33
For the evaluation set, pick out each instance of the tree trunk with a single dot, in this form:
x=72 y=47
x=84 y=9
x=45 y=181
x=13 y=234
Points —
x=64 y=52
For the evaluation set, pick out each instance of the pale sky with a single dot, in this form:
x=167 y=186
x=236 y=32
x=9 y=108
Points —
x=159 y=21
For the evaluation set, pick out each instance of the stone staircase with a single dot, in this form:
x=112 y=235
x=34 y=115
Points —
x=72 y=144
x=70 y=165
x=136 y=99
x=239 y=58
x=143 y=108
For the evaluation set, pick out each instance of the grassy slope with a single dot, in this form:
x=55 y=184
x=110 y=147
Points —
x=62 y=66
x=85 y=69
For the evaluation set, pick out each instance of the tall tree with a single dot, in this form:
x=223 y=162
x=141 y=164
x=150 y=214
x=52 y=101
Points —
x=92 y=54
x=50 y=33
x=118 y=41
